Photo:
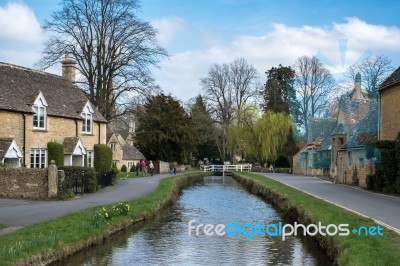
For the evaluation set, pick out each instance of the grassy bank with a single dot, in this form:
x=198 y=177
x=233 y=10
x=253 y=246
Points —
x=306 y=209
x=56 y=239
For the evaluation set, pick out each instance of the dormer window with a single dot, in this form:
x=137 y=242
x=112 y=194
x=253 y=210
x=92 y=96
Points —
x=87 y=122
x=40 y=114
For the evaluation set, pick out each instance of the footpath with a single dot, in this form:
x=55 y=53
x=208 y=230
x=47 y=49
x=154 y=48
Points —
x=17 y=213
x=384 y=209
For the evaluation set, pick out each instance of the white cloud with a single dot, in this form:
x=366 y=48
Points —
x=180 y=75
x=20 y=36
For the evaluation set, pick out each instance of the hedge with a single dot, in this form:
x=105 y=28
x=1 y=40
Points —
x=102 y=158
x=386 y=178
x=55 y=151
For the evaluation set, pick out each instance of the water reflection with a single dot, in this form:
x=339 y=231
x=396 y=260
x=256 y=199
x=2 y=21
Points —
x=165 y=240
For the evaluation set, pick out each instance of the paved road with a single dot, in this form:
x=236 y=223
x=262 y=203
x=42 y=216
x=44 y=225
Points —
x=382 y=208
x=16 y=213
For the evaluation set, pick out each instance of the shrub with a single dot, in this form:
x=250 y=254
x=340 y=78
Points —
x=102 y=158
x=89 y=177
x=114 y=171
x=133 y=168
x=124 y=169
x=2 y=165
x=387 y=166
x=55 y=151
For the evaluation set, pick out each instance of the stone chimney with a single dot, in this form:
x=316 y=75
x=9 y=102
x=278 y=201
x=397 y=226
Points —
x=357 y=87
x=68 y=68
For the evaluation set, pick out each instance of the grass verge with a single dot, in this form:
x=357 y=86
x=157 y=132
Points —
x=54 y=240
x=345 y=250
x=123 y=175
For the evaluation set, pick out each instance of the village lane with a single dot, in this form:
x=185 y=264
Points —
x=16 y=213
x=382 y=208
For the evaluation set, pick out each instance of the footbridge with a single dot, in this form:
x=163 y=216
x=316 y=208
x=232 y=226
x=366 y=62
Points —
x=227 y=169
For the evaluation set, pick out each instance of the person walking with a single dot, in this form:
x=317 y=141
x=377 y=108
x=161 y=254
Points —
x=171 y=168
x=151 y=167
x=175 y=164
x=143 y=165
x=137 y=168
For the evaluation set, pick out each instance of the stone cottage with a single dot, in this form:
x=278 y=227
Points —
x=124 y=152
x=389 y=92
x=38 y=107
x=355 y=124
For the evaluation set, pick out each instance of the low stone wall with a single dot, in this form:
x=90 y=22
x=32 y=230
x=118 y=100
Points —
x=164 y=167
x=23 y=183
x=28 y=183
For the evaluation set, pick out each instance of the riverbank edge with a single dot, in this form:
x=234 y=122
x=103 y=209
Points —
x=163 y=196
x=306 y=209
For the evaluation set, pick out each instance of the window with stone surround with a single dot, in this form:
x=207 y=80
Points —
x=87 y=118
x=38 y=158
x=39 y=109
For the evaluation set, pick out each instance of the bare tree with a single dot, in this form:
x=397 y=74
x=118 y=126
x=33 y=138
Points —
x=373 y=70
x=114 y=50
x=243 y=80
x=226 y=88
x=313 y=84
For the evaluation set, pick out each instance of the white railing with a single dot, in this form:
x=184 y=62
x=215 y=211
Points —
x=227 y=168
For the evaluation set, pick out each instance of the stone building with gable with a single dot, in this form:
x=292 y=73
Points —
x=124 y=151
x=344 y=141
x=38 y=107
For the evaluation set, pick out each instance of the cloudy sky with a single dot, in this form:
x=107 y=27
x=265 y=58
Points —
x=198 y=34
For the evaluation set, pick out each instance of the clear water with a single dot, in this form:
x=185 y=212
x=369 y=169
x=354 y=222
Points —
x=165 y=240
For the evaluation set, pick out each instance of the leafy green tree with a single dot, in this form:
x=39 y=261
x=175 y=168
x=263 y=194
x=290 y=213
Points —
x=165 y=130
x=260 y=138
x=270 y=133
x=241 y=129
x=205 y=130
x=280 y=96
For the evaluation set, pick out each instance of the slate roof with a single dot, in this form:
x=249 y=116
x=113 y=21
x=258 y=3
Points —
x=4 y=146
x=70 y=144
x=19 y=87
x=131 y=153
x=392 y=80
x=321 y=128
x=363 y=130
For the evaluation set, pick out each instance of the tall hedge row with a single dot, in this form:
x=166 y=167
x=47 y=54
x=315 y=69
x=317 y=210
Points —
x=387 y=176
x=55 y=151
x=102 y=158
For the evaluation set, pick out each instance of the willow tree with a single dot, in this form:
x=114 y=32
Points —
x=240 y=130
x=269 y=135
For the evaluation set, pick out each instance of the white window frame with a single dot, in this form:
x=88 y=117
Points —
x=87 y=123
x=38 y=158
x=40 y=111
